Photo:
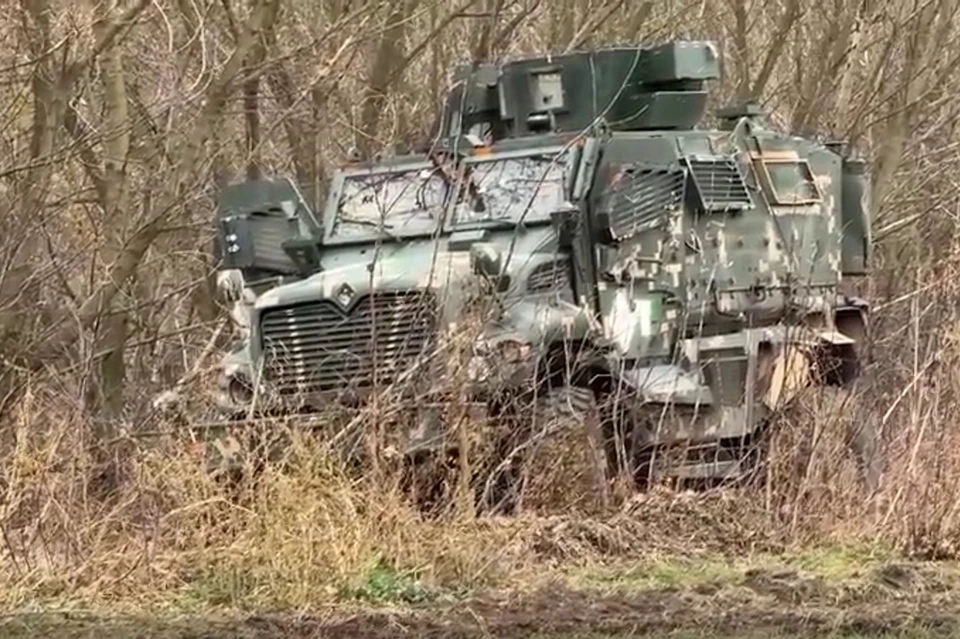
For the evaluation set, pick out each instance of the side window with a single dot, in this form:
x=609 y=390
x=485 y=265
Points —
x=790 y=182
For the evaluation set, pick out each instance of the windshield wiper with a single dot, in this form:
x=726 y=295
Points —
x=357 y=220
x=380 y=226
x=479 y=206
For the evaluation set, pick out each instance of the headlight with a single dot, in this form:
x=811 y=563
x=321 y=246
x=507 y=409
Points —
x=236 y=385
x=513 y=351
x=240 y=390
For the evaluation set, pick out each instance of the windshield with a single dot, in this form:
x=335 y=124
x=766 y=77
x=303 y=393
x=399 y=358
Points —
x=406 y=202
x=507 y=188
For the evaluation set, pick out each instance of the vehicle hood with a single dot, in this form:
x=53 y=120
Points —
x=404 y=271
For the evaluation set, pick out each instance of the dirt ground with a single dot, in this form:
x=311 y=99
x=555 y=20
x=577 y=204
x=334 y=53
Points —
x=897 y=600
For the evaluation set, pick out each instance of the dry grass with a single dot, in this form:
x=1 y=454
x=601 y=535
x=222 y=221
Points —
x=311 y=532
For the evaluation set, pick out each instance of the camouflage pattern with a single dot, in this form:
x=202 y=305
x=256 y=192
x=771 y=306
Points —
x=686 y=279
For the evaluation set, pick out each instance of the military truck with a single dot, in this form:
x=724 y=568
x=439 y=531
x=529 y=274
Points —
x=667 y=285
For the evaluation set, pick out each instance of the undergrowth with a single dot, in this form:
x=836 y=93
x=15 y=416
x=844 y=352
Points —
x=311 y=531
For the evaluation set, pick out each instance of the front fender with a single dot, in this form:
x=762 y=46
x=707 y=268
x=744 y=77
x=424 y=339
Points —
x=235 y=380
x=502 y=362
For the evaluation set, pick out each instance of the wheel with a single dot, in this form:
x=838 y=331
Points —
x=553 y=455
x=864 y=442
x=844 y=364
x=754 y=454
x=834 y=409
x=863 y=436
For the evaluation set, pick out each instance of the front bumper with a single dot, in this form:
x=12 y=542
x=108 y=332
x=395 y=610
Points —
x=489 y=376
x=425 y=428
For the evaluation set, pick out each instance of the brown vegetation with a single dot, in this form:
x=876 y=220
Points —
x=119 y=119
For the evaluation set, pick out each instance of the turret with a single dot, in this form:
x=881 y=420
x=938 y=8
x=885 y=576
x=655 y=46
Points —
x=624 y=89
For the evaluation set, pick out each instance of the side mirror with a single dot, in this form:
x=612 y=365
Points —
x=564 y=222
x=856 y=239
x=304 y=252
x=485 y=259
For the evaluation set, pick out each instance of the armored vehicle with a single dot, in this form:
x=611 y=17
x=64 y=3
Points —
x=668 y=285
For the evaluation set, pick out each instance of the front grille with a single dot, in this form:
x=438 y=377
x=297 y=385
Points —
x=316 y=346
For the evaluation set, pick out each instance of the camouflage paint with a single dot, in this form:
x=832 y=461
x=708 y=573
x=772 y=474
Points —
x=701 y=294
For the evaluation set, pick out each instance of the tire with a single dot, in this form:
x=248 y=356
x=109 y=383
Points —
x=754 y=453
x=568 y=414
x=864 y=443
x=860 y=437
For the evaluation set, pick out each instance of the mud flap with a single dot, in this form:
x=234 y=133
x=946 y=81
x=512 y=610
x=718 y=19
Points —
x=790 y=372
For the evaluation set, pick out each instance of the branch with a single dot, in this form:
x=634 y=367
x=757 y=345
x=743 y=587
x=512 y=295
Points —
x=218 y=90
x=512 y=26
x=791 y=16
x=251 y=92
x=302 y=143
x=741 y=44
x=381 y=75
x=120 y=271
x=110 y=36
x=84 y=137
x=421 y=46
x=231 y=19
x=481 y=48
x=131 y=254
x=590 y=26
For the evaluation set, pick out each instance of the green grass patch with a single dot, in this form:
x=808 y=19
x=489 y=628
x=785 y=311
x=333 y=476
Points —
x=653 y=574
x=833 y=564
x=383 y=583
x=840 y=561
x=759 y=633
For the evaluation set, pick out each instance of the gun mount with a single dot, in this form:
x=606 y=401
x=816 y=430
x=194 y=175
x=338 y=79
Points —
x=622 y=89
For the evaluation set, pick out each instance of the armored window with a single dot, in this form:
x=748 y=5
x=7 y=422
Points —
x=790 y=182
x=404 y=202
x=511 y=189
x=719 y=184
x=641 y=197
